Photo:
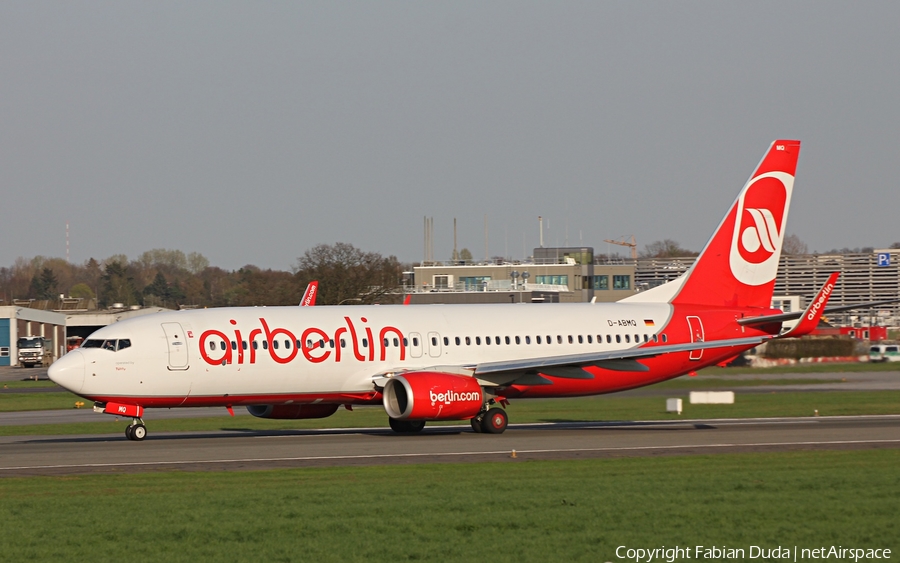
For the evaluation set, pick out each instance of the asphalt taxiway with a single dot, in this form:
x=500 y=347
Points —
x=249 y=450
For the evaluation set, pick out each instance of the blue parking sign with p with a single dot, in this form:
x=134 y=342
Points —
x=884 y=259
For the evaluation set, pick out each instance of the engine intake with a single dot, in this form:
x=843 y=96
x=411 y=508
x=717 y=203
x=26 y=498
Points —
x=292 y=411
x=432 y=396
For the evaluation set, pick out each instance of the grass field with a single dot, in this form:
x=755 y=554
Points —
x=603 y=407
x=512 y=511
x=805 y=368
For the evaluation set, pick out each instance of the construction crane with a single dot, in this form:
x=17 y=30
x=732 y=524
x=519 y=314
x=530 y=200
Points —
x=624 y=242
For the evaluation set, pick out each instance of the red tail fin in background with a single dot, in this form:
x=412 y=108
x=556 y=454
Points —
x=309 y=296
x=737 y=267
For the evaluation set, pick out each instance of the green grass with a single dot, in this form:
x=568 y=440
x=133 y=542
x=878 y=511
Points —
x=512 y=511
x=13 y=402
x=29 y=384
x=604 y=407
x=692 y=384
x=804 y=368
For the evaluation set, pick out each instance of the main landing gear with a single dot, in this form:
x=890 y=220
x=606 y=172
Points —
x=491 y=421
x=136 y=430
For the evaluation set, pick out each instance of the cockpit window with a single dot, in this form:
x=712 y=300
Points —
x=112 y=344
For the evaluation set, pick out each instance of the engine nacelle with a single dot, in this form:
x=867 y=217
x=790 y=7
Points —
x=432 y=396
x=292 y=411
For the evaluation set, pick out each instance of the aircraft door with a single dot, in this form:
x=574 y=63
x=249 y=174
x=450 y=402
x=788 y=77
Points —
x=696 y=327
x=177 y=344
x=415 y=345
x=434 y=345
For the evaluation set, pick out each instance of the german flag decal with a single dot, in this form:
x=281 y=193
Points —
x=648 y=322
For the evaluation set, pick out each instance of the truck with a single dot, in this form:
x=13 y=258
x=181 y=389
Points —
x=34 y=350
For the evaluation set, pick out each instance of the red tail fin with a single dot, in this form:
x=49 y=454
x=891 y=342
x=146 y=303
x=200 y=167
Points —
x=309 y=296
x=737 y=267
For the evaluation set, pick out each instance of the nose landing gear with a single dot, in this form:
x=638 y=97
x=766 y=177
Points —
x=136 y=430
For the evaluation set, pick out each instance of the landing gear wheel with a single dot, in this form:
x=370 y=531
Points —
x=406 y=426
x=495 y=421
x=128 y=432
x=477 y=423
x=138 y=432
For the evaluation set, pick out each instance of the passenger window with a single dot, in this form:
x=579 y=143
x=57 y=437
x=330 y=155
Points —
x=331 y=343
x=478 y=341
x=299 y=346
x=233 y=345
x=590 y=341
x=212 y=345
x=321 y=344
x=609 y=339
x=265 y=344
x=518 y=341
x=487 y=341
x=497 y=340
x=275 y=345
x=434 y=341
x=124 y=343
x=570 y=339
x=415 y=341
x=386 y=343
x=507 y=340
x=646 y=339
x=244 y=344
x=627 y=338
x=343 y=343
x=559 y=339
x=537 y=338
x=618 y=339
x=637 y=338
x=468 y=341
x=287 y=344
x=655 y=338
x=528 y=339
x=405 y=342
x=396 y=343
x=665 y=339
x=446 y=341
x=456 y=340
x=365 y=342
x=580 y=339
x=549 y=339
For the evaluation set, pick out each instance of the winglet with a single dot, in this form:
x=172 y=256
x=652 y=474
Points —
x=810 y=319
x=309 y=296
x=407 y=298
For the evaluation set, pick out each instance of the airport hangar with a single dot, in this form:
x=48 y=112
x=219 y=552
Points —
x=57 y=326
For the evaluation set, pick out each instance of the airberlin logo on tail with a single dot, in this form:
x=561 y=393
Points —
x=820 y=302
x=762 y=210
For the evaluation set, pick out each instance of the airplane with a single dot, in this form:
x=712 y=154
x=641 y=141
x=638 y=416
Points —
x=455 y=362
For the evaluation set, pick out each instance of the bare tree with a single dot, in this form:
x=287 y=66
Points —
x=667 y=248
x=792 y=245
x=347 y=274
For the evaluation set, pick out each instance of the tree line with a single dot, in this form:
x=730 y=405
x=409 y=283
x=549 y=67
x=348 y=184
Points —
x=173 y=279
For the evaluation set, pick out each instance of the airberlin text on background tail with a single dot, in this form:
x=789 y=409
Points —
x=452 y=362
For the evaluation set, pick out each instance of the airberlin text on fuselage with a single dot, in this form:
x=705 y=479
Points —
x=362 y=345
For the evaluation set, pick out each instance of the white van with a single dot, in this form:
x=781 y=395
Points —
x=884 y=353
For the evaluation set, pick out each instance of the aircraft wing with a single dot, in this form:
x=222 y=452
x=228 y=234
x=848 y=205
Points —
x=570 y=367
x=526 y=372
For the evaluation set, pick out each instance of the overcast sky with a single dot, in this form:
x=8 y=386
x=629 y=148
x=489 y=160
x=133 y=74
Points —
x=250 y=132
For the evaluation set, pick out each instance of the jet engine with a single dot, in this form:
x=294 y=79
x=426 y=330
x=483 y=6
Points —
x=292 y=411
x=432 y=396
